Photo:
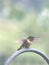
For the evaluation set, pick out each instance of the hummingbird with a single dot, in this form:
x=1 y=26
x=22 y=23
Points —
x=26 y=42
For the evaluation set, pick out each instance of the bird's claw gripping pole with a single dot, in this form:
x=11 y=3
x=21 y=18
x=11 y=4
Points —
x=27 y=50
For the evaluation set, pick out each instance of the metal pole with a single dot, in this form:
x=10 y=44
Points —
x=12 y=57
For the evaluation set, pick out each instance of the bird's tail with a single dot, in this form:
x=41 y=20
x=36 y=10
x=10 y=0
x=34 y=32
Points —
x=19 y=48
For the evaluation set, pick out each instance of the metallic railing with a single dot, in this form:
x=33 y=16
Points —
x=27 y=50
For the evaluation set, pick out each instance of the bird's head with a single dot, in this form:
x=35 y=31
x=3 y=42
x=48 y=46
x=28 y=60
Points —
x=30 y=38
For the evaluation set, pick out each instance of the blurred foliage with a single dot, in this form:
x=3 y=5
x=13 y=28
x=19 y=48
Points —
x=17 y=14
x=20 y=19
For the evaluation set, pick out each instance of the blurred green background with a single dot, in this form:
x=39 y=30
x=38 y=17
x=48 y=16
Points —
x=20 y=19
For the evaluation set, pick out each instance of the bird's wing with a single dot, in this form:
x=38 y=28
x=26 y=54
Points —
x=20 y=41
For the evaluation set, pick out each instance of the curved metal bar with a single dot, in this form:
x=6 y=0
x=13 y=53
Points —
x=27 y=50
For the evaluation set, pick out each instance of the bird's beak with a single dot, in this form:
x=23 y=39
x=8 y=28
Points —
x=36 y=38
